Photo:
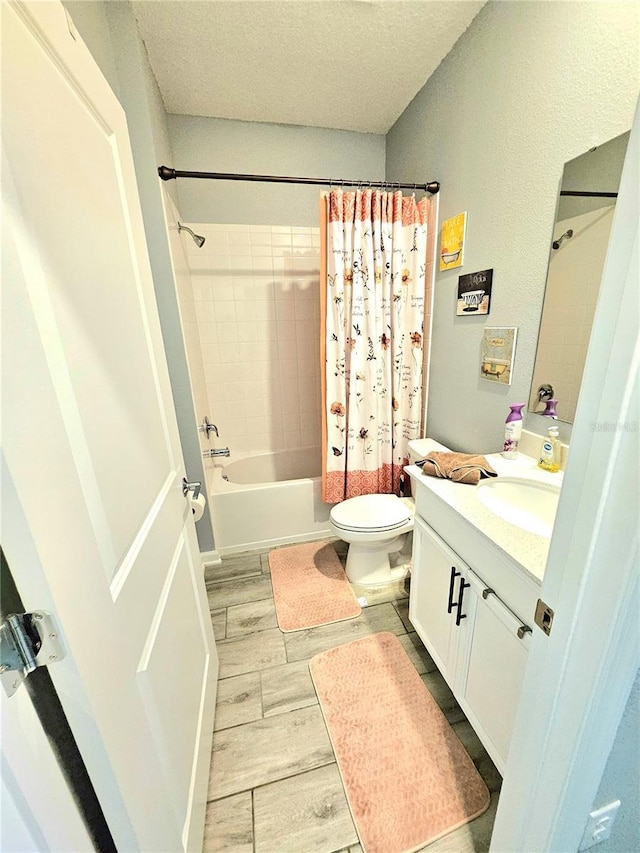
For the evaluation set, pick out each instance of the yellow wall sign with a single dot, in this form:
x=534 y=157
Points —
x=452 y=242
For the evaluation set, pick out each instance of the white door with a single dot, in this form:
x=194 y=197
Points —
x=578 y=679
x=95 y=525
x=433 y=600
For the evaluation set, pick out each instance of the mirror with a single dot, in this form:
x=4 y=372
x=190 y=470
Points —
x=584 y=216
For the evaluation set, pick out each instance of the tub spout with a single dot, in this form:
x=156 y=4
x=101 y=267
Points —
x=218 y=451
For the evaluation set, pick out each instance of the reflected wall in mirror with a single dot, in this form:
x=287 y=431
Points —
x=579 y=244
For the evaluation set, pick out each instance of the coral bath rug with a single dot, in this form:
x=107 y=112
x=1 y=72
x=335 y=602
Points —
x=310 y=587
x=407 y=777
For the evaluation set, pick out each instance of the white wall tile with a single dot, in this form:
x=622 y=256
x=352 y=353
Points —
x=286 y=330
x=247 y=332
x=222 y=288
x=227 y=332
x=257 y=315
x=260 y=238
x=285 y=310
x=305 y=310
x=208 y=333
x=229 y=353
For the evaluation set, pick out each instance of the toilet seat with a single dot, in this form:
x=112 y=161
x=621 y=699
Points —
x=371 y=514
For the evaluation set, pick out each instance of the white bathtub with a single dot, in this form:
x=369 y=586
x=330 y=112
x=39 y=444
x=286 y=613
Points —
x=268 y=499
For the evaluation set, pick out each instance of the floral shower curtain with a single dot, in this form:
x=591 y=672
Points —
x=374 y=276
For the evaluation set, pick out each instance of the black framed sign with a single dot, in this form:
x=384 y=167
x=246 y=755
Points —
x=474 y=293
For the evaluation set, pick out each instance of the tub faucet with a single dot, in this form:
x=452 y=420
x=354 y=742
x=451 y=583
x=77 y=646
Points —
x=218 y=451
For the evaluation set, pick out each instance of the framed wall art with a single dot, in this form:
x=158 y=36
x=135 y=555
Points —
x=452 y=242
x=474 y=293
x=498 y=352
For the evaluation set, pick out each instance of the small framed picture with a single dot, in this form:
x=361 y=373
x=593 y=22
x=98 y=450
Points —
x=498 y=353
x=452 y=242
x=474 y=293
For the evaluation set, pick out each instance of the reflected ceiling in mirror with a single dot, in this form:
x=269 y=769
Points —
x=584 y=216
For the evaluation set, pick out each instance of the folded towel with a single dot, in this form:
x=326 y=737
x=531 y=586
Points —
x=459 y=467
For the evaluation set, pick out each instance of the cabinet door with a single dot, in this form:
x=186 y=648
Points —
x=491 y=677
x=435 y=579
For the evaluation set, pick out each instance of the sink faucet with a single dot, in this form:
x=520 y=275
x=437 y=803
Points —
x=219 y=451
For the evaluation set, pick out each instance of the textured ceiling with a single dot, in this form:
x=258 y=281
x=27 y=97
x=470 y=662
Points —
x=346 y=64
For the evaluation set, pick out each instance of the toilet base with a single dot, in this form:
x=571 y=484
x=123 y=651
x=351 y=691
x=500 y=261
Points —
x=368 y=564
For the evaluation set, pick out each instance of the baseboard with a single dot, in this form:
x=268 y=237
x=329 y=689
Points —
x=210 y=558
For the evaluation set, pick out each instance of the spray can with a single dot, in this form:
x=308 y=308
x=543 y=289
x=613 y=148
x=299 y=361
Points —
x=512 y=431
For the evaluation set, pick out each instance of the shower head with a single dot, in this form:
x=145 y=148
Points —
x=197 y=239
x=567 y=234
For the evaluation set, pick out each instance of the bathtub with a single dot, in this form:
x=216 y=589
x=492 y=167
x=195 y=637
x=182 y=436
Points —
x=268 y=499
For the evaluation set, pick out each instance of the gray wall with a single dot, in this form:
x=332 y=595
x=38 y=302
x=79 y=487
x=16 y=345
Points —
x=90 y=19
x=527 y=87
x=110 y=32
x=621 y=780
x=219 y=145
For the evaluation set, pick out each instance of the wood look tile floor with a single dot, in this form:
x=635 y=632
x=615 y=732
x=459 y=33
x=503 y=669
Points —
x=274 y=785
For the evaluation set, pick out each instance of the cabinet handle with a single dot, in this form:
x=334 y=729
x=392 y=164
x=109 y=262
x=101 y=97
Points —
x=460 y=615
x=454 y=575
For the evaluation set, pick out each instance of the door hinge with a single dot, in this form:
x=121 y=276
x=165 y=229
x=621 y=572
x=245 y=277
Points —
x=27 y=641
x=544 y=616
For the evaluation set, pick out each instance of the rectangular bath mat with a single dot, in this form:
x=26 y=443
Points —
x=310 y=587
x=407 y=777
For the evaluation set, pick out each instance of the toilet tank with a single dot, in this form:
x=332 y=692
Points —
x=419 y=447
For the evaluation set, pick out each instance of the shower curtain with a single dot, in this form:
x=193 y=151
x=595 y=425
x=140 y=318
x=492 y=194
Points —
x=377 y=263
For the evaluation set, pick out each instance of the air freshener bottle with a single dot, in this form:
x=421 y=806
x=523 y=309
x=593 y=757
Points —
x=550 y=411
x=512 y=431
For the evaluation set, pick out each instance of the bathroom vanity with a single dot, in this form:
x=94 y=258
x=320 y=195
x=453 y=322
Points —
x=475 y=583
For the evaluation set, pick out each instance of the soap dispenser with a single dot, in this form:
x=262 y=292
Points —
x=512 y=431
x=550 y=452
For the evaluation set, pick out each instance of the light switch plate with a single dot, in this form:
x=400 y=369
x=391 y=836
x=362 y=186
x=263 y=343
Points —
x=599 y=825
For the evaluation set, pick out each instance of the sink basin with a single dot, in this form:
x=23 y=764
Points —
x=529 y=504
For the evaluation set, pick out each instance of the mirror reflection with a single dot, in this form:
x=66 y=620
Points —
x=584 y=216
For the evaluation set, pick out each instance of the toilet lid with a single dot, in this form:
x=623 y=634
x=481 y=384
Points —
x=370 y=512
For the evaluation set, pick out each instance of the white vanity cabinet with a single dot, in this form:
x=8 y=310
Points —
x=478 y=644
x=436 y=579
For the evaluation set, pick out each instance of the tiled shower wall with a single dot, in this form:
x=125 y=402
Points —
x=256 y=292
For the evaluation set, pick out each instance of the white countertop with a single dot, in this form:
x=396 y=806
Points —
x=528 y=550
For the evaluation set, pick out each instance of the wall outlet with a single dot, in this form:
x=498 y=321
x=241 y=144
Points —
x=599 y=825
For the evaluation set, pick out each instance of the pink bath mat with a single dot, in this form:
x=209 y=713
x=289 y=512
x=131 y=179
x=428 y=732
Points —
x=407 y=777
x=310 y=587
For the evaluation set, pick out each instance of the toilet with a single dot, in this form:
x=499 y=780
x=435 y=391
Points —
x=375 y=526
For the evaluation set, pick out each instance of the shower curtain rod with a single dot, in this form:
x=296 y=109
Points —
x=168 y=174
x=588 y=195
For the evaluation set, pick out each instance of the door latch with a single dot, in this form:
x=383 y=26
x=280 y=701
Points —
x=544 y=616
x=27 y=641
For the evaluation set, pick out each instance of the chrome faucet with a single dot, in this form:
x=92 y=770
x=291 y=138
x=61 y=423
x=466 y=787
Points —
x=206 y=427
x=218 y=451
